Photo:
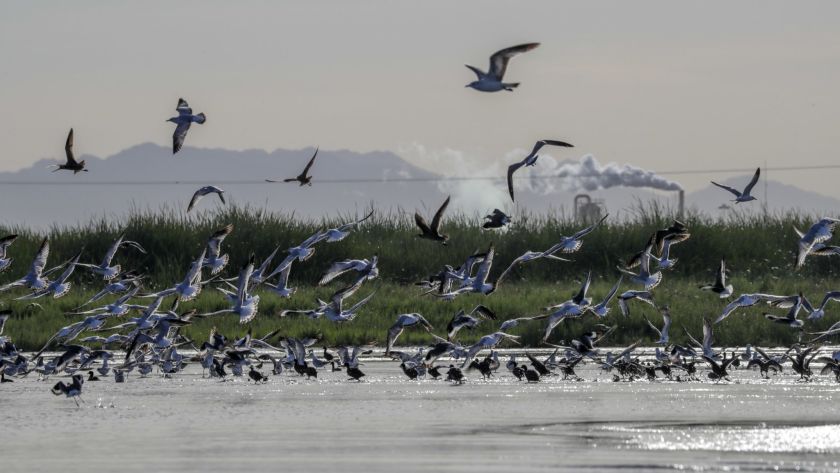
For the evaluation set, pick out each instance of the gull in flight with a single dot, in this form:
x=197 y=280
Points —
x=818 y=234
x=528 y=256
x=184 y=119
x=794 y=304
x=742 y=196
x=666 y=320
x=487 y=342
x=432 y=232
x=479 y=283
x=303 y=178
x=747 y=300
x=60 y=286
x=497 y=219
x=190 y=287
x=602 y=308
x=571 y=244
x=720 y=287
x=124 y=283
x=302 y=252
x=282 y=288
x=463 y=320
x=644 y=277
x=199 y=194
x=35 y=279
x=403 y=321
x=5 y=243
x=337 y=234
x=367 y=268
x=530 y=160
x=819 y=312
x=104 y=268
x=492 y=80
x=215 y=260
x=244 y=304
x=71 y=164
x=644 y=296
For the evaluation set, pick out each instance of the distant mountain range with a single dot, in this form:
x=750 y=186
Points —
x=149 y=176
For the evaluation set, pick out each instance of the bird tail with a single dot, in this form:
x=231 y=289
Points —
x=511 y=86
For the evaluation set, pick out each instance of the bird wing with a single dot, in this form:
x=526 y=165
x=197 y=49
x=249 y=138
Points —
x=612 y=292
x=40 y=260
x=335 y=270
x=512 y=169
x=309 y=164
x=216 y=239
x=68 y=149
x=421 y=222
x=752 y=181
x=721 y=276
x=179 y=135
x=499 y=59
x=512 y=265
x=195 y=198
x=439 y=215
x=484 y=312
x=244 y=278
x=478 y=72
x=589 y=229
x=183 y=108
x=650 y=324
x=112 y=250
x=484 y=269
x=734 y=191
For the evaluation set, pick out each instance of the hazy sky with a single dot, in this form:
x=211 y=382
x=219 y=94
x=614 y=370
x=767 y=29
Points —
x=661 y=84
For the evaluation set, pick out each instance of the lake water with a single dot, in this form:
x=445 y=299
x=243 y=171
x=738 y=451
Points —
x=390 y=424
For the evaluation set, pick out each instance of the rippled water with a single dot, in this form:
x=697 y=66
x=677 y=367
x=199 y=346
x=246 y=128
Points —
x=388 y=423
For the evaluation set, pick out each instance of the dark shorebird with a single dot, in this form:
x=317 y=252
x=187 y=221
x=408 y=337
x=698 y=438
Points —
x=530 y=160
x=720 y=287
x=530 y=375
x=497 y=219
x=742 y=196
x=72 y=390
x=184 y=119
x=455 y=375
x=256 y=376
x=304 y=178
x=432 y=232
x=71 y=164
x=492 y=80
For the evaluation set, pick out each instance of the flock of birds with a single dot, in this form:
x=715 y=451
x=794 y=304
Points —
x=135 y=332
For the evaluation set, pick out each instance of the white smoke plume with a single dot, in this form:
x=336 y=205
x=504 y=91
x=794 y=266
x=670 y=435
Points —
x=468 y=196
x=550 y=175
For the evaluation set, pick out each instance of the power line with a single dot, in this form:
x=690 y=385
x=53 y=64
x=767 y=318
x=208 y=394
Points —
x=409 y=179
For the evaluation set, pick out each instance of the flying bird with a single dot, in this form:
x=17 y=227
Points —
x=303 y=178
x=71 y=164
x=530 y=160
x=5 y=243
x=742 y=196
x=199 y=194
x=492 y=80
x=720 y=287
x=818 y=234
x=497 y=219
x=432 y=232
x=184 y=119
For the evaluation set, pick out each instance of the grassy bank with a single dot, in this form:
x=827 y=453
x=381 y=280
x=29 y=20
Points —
x=759 y=253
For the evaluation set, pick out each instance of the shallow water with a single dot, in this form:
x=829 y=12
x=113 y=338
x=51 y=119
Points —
x=388 y=423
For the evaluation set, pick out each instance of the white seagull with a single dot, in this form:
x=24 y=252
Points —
x=747 y=300
x=5 y=242
x=215 y=260
x=60 y=286
x=341 y=232
x=35 y=279
x=644 y=296
x=403 y=321
x=602 y=308
x=666 y=321
x=243 y=304
x=819 y=233
x=492 y=80
x=199 y=194
x=819 y=312
x=184 y=119
x=104 y=268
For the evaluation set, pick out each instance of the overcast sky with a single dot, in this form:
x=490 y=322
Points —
x=661 y=84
